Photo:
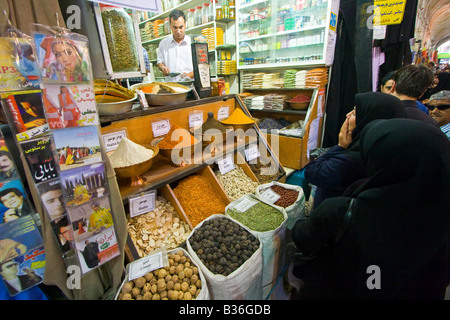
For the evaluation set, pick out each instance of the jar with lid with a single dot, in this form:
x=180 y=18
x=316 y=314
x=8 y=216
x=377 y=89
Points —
x=218 y=13
x=232 y=12
x=198 y=15
x=120 y=38
x=190 y=18
x=211 y=11
x=205 y=13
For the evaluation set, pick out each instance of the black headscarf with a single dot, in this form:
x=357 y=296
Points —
x=373 y=106
x=401 y=213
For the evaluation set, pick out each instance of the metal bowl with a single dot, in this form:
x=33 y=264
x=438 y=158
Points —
x=180 y=155
x=135 y=171
x=298 y=105
x=162 y=99
x=113 y=108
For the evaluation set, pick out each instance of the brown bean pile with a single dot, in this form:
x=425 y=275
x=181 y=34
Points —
x=288 y=196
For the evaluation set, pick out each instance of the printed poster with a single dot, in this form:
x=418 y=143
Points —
x=62 y=59
x=40 y=159
x=83 y=184
x=25 y=114
x=69 y=105
x=77 y=147
x=97 y=249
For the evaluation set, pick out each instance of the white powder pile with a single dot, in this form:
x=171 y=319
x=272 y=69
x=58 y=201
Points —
x=129 y=153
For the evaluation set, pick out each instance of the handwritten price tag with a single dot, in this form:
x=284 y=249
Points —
x=226 y=164
x=223 y=113
x=142 y=204
x=252 y=152
x=160 y=127
x=145 y=265
x=245 y=204
x=112 y=140
x=270 y=196
x=142 y=99
x=195 y=119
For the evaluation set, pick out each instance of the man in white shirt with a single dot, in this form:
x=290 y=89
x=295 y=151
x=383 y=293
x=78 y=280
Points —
x=174 y=52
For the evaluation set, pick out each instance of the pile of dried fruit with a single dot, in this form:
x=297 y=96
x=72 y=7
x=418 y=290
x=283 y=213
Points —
x=223 y=245
x=179 y=281
x=236 y=183
x=161 y=226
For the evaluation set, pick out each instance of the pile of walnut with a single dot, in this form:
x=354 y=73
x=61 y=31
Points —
x=179 y=281
x=159 y=227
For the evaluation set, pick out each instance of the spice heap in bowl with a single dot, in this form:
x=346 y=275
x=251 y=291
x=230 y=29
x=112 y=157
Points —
x=131 y=160
x=239 y=120
x=299 y=102
x=178 y=145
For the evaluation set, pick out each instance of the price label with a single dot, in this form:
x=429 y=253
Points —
x=223 y=113
x=270 y=196
x=245 y=204
x=142 y=204
x=142 y=99
x=252 y=152
x=145 y=265
x=160 y=127
x=226 y=164
x=195 y=119
x=112 y=140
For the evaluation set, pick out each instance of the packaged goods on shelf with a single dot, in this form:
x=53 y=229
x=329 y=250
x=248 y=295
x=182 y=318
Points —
x=316 y=77
x=268 y=79
x=300 y=79
x=289 y=78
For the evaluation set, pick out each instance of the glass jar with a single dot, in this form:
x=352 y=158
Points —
x=190 y=18
x=218 y=13
x=198 y=15
x=232 y=12
x=205 y=13
x=119 y=34
x=211 y=11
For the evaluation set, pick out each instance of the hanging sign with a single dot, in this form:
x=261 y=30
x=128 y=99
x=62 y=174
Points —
x=388 y=12
x=143 y=5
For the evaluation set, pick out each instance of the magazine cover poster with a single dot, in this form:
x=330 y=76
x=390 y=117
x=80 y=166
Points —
x=39 y=154
x=91 y=218
x=8 y=168
x=24 y=272
x=97 y=250
x=77 y=147
x=18 y=237
x=83 y=184
x=14 y=202
x=62 y=228
x=69 y=105
x=25 y=114
x=19 y=69
x=62 y=59
x=52 y=198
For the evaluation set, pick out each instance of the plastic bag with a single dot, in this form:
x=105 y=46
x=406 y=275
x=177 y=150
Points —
x=273 y=245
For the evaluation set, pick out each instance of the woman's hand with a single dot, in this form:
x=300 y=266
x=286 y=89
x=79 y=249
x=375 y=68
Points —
x=345 y=135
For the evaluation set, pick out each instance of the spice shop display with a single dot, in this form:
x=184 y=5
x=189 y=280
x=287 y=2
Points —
x=273 y=125
x=236 y=183
x=120 y=38
x=157 y=228
x=163 y=93
x=129 y=153
x=198 y=198
x=108 y=91
x=230 y=257
x=238 y=117
x=181 y=279
x=265 y=169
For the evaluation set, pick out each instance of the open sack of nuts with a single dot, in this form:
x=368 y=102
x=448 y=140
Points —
x=268 y=223
x=289 y=197
x=179 y=279
x=229 y=256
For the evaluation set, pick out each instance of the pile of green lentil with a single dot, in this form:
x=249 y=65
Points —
x=260 y=217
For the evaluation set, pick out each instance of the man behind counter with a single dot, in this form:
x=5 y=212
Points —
x=174 y=52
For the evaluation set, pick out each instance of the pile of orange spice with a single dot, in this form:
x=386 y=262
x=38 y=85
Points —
x=177 y=137
x=198 y=198
x=238 y=117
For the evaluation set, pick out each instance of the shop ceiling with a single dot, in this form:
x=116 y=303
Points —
x=433 y=22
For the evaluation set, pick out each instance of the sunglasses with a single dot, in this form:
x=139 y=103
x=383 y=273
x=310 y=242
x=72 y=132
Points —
x=441 y=107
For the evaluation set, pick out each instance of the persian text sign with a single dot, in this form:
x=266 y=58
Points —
x=388 y=12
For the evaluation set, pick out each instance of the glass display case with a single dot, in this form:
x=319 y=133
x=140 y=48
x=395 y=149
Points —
x=284 y=33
